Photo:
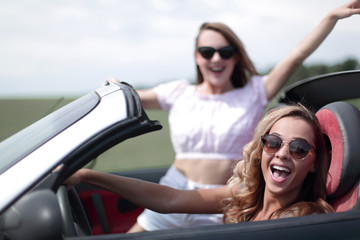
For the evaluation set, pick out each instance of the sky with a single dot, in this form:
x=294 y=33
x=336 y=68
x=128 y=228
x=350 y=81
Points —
x=70 y=47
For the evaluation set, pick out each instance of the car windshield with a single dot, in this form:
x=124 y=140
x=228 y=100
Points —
x=24 y=142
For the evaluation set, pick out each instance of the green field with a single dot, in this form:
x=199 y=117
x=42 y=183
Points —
x=150 y=150
x=146 y=151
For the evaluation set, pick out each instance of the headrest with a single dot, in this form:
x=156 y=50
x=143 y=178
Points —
x=340 y=121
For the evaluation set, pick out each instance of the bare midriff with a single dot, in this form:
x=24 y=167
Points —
x=206 y=171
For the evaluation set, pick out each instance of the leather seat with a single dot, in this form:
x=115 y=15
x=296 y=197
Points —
x=340 y=122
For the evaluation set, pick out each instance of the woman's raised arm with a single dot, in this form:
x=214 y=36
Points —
x=284 y=69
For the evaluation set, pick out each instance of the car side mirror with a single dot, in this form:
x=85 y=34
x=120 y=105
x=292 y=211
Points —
x=37 y=214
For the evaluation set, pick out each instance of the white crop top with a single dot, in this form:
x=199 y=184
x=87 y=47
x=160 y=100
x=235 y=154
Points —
x=212 y=126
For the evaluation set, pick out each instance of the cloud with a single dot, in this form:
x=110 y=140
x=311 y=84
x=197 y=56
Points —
x=70 y=47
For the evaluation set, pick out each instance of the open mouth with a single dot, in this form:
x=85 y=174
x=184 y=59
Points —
x=217 y=69
x=279 y=173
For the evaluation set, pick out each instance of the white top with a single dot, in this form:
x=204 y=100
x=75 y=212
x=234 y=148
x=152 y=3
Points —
x=212 y=126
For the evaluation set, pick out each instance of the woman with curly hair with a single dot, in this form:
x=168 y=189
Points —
x=282 y=174
x=261 y=177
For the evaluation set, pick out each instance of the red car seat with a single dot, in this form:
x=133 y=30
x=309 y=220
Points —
x=340 y=121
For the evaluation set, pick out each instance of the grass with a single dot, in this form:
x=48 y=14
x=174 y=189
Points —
x=146 y=151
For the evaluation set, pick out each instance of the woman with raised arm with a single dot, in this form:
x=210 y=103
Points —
x=225 y=106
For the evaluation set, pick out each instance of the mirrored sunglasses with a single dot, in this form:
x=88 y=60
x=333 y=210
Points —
x=298 y=148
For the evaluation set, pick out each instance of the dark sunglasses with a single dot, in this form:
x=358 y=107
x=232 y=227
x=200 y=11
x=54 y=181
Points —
x=208 y=52
x=298 y=148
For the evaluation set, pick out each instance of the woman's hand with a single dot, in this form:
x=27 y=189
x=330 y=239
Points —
x=113 y=80
x=110 y=80
x=76 y=178
x=346 y=10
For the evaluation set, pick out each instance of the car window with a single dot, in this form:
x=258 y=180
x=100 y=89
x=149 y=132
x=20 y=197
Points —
x=24 y=142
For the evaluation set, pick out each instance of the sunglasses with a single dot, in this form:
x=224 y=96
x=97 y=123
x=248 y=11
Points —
x=298 y=148
x=208 y=52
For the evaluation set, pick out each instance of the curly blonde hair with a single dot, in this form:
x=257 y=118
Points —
x=249 y=182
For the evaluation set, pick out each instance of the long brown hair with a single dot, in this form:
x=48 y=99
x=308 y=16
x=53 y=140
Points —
x=249 y=181
x=244 y=68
